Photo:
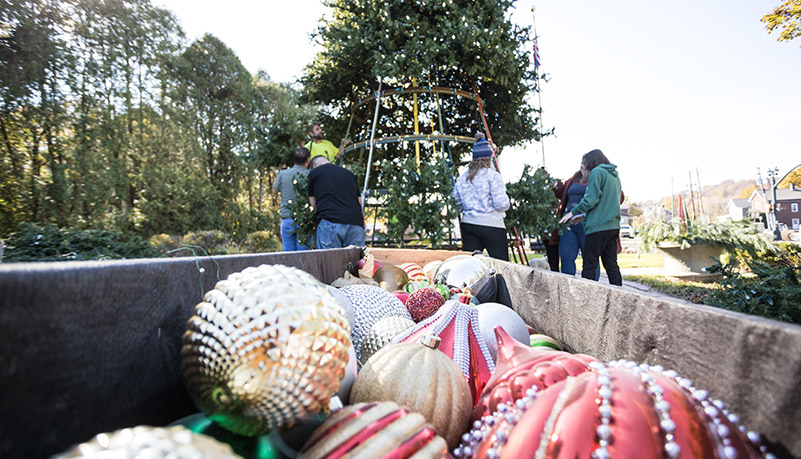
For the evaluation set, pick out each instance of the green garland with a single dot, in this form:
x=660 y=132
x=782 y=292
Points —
x=739 y=237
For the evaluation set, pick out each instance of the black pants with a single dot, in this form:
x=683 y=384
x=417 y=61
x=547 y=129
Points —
x=603 y=244
x=479 y=237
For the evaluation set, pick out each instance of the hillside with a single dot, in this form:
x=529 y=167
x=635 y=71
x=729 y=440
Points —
x=714 y=197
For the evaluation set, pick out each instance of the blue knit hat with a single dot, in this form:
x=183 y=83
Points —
x=482 y=149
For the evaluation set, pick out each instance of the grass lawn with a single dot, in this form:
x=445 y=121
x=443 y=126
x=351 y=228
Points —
x=625 y=260
x=694 y=292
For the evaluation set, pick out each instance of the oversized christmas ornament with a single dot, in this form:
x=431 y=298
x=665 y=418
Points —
x=619 y=410
x=370 y=304
x=371 y=430
x=544 y=341
x=360 y=265
x=462 y=272
x=391 y=278
x=273 y=445
x=491 y=315
x=414 y=271
x=145 y=441
x=418 y=376
x=347 y=381
x=267 y=347
x=345 y=303
x=430 y=269
x=457 y=325
x=381 y=334
x=402 y=296
x=417 y=285
x=423 y=303
x=520 y=367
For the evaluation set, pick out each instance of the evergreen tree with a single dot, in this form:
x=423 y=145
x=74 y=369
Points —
x=462 y=44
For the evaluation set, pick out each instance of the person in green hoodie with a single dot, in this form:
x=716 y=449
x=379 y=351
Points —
x=600 y=210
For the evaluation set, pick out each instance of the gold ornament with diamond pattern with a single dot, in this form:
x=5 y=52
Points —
x=267 y=347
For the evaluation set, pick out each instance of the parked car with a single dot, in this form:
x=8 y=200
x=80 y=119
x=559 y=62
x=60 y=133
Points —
x=626 y=231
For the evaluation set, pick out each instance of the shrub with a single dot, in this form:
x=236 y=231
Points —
x=773 y=291
x=166 y=244
x=50 y=243
x=262 y=241
x=214 y=242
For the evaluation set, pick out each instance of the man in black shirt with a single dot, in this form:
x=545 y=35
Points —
x=334 y=194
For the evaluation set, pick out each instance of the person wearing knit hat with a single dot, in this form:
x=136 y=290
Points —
x=481 y=195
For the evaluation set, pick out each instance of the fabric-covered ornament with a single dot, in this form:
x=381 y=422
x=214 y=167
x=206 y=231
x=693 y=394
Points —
x=370 y=304
x=267 y=347
x=414 y=271
x=457 y=325
x=619 y=410
x=491 y=315
x=370 y=430
x=381 y=334
x=520 y=368
x=423 y=303
x=418 y=376
x=146 y=441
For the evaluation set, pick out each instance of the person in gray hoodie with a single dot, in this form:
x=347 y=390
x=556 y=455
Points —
x=600 y=210
x=481 y=194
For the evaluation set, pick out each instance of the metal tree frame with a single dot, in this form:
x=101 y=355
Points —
x=418 y=137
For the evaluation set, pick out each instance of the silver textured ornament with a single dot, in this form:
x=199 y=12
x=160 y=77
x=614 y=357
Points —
x=491 y=315
x=145 y=441
x=461 y=271
x=266 y=348
x=370 y=304
x=381 y=334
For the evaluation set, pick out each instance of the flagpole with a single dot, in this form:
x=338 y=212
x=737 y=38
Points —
x=537 y=79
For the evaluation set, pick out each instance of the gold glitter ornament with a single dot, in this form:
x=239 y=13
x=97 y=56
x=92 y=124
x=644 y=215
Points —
x=145 y=441
x=266 y=348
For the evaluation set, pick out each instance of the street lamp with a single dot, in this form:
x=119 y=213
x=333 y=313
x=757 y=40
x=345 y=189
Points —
x=772 y=173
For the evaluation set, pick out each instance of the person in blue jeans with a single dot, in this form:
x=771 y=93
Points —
x=284 y=185
x=571 y=239
x=334 y=194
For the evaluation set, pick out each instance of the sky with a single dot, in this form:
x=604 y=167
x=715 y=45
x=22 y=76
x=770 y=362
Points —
x=664 y=88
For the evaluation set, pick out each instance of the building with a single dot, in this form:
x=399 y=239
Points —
x=738 y=209
x=788 y=207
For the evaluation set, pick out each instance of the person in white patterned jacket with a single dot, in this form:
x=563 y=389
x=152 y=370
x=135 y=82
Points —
x=481 y=195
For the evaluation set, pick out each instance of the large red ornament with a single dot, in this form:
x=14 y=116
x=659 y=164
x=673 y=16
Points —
x=520 y=367
x=378 y=429
x=423 y=303
x=619 y=410
x=456 y=324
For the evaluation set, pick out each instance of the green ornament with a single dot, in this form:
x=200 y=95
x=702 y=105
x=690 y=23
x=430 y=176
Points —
x=544 y=341
x=273 y=445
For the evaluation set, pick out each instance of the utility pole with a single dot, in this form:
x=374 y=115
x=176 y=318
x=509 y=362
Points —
x=672 y=203
x=692 y=196
x=772 y=173
x=700 y=192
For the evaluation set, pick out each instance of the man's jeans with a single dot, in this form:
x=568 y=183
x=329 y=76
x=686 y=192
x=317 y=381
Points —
x=332 y=235
x=289 y=236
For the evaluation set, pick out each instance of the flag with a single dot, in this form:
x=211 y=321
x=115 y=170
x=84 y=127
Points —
x=536 y=54
x=681 y=209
